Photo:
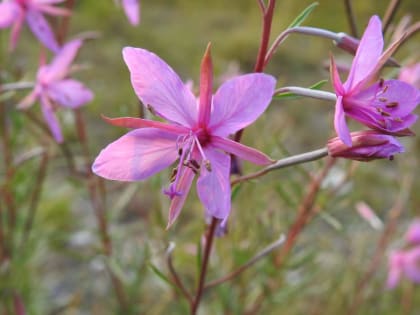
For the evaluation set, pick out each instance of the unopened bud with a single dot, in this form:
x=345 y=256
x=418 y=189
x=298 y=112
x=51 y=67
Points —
x=366 y=146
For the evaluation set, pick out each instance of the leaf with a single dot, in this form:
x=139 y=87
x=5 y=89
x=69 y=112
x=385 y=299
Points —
x=290 y=95
x=161 y=275
x=303 y=15
x=235 y=192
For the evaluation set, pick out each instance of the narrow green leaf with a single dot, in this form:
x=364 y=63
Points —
x=161 y=275
x=235 y=192
x=289 y=95
x=303 y=15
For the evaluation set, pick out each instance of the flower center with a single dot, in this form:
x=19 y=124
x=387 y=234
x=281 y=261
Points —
x=203 y=137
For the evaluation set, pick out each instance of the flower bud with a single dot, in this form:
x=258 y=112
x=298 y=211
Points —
x=366 y=146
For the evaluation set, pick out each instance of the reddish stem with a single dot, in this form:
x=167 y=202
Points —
x=260 y=64
x=203 y=271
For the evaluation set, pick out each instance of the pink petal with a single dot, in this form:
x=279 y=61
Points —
x=239 y=102
x=137 y=155
x=213 y=187
x=29 y=99
x=241 y=150
x=157 y=85
x=404 y=96
x=40 y=2
x=395 y=269
x=413 y=234
x=131 y=122
x=48 y=9
x=368 y=53
x=51 y=119
x=340 y=122
x=16 y=28
x=69 y=93
x=177 y=202
x=335 y=78
x=9 y=11
x=206 y=86
x=132 y=11
x=42 y=30
x=60 y=65
x=412 y=264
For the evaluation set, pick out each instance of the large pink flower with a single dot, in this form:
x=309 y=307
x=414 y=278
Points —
x=385 y=105
x=53 y=87
x=196 y=133
x=14 y=13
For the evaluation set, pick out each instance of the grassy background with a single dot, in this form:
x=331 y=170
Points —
x=60 y=269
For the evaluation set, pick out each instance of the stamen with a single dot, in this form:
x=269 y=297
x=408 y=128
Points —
x=151 y=109
x=382 y=112
x=173 y=174
x=385 y=89
x=207 y=164
x=381 y=82
x=398 y=119
x=382 y=99
x=180 y=151
x=392 y=105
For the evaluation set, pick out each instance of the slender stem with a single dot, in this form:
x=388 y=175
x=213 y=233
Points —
x=351 y=18
x=68 y=155
x=289 y=161
x=390 y=14
x=65 y=22
x=248 y=264
x=268 y=12
x=394 y=214
x=34 y=201
x=176 y=279
x=261 y=5
x=98 y=207
x=304 y=213
x=16 y=86
x=265 y=37
x=10 y=170
x=305 y=30
x=203 y=270
x=323 y=95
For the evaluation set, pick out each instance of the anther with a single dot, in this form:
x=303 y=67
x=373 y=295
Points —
x=207 y=164
x=392 y=104
x=382 y=99
x=382 y=112
x=180 y=151
x=381 y=82
x=173 y=175
x=151 y=109
x=385 y=89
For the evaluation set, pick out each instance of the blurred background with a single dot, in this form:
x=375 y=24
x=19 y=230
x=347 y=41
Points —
x=62 y=270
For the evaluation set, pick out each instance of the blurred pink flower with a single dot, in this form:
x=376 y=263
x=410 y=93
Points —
x=411 y=75
x=367 y=145
x=196 y=132
x=14 y=13
x=54 y=87
x=413 y=233
x=132 y=10
x=386 y=105
x=403 y=263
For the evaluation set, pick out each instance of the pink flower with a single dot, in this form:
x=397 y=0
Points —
x=53 y=87
x=132 y=10
x=196 y=132
x=385 y=105
x=411 y=75
x=14 y=12
x=413 y=234
x=367 y=145
x=404 y=263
